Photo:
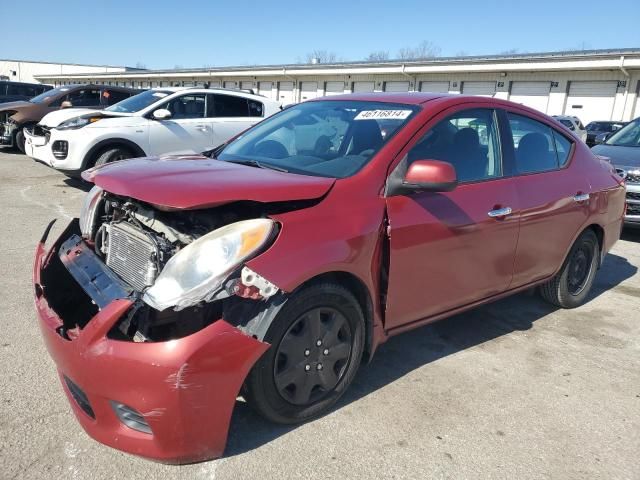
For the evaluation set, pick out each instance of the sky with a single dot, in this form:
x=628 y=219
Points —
x=164 y=34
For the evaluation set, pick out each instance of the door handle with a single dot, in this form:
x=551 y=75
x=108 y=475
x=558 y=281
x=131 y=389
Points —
x=581 y=197
x=202 y=128
x=500 y=212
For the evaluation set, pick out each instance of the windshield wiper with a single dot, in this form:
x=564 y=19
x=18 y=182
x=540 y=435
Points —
x=255 y=163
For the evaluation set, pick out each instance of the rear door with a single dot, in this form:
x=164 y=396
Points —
x=230 y=115
x=553 y=195
x=187 y=131
x=451 y=249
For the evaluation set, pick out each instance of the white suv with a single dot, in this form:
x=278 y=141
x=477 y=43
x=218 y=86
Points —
x=574 y=124
x=162 y=121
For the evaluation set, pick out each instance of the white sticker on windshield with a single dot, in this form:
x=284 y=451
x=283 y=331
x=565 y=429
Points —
x=159 y=94
x=383 y=114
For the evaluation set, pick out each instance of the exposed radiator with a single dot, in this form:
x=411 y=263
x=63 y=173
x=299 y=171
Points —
x=131 y=254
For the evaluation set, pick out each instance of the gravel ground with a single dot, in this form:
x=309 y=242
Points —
x=515 y=389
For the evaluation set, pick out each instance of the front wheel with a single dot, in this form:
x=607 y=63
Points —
x=317 y=340
x=113 y=155
x=571 y=285
x=19 y=140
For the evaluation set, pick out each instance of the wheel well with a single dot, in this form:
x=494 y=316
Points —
x=98 y=149
x=599 y=231
x=361 y=292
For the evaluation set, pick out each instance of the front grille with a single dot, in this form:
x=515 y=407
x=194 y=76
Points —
x=633 y=209
x=131 y=254
x=633 y=178
x=633 y=195
x=80 y=397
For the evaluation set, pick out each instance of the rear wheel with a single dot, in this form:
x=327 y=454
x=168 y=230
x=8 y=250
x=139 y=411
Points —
x=317 y=339
x=113 y=155
x=570 y=287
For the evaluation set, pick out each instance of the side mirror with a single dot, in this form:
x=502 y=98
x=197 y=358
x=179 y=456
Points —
x=66 y=104
x=424 y=176
x=161 y=114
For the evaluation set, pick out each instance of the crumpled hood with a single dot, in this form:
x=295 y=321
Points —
x=621 y=157
x=13 y=105
x=191 y=182
x=54 y=119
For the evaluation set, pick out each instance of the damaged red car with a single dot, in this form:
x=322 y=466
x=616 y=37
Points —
x=273 y=266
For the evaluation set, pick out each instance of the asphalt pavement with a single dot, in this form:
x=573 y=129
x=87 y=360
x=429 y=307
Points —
x=513 y=390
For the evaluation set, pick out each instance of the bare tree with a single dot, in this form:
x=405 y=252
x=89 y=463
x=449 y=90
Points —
x=321 y=56
x=379 y=56
x=425 y=50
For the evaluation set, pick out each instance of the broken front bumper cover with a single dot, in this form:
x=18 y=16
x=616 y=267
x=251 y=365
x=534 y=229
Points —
x=183 y=389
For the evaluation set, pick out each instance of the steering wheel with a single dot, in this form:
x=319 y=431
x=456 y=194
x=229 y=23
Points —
x=270 y=149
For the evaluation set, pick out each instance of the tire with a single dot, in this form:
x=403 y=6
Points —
x=112 y=155
x=278 y=384
x=19 y=140
x=572 y=284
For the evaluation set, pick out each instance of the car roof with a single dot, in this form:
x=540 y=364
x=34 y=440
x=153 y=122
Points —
x=210 y=90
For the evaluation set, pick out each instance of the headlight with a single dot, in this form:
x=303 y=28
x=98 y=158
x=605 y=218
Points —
x=197 y=272
x=77 y=122
x=89 y=212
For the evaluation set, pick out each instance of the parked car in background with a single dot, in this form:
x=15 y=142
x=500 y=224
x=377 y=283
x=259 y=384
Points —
x=14 y=91
x=622 y=149
x=574 y=124
x=164 y=121
x=598 y=128
x=271 y=267
x=15 y=117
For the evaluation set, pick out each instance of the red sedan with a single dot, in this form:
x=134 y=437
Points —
x=274 y=265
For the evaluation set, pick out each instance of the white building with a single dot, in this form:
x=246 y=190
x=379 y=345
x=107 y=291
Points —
x=26 y=71
x=593 y=85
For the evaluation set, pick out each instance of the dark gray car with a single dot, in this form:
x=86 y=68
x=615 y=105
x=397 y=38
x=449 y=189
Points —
x=623 y=150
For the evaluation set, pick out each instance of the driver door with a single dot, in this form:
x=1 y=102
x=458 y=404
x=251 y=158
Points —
x=187 y=131
x=453 y=248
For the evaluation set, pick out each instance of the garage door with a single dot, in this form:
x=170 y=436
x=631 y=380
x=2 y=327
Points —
x=308 y=90
x=334 y=88
x=482 y=89
x=214 y=85
x=396 y=86
x=265 y=89
x=363 y=86
x=247 y=85
x=435 y=87
x=230 y=85
x=285 y=93
x=591 y=101
x=531 y=94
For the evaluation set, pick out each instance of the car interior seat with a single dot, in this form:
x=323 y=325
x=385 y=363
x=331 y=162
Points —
x=467 y=156
x=534 y=154
x=367 y=137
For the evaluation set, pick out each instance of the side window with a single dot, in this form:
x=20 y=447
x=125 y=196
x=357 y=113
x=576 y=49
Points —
x=84 y=98
x=110 y=97
x=563 y=148
x=256 y=109
x=187 y=106
x=534 y=144
x=229 y=106
x=468 y=140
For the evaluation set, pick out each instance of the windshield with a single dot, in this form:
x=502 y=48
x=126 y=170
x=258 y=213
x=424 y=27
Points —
x=48 y=94
x=627 y=136
x=324 y=138
x=138 y=102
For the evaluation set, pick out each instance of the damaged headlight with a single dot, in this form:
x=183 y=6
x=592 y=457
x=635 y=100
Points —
x=89 y=212
x=198 y=271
